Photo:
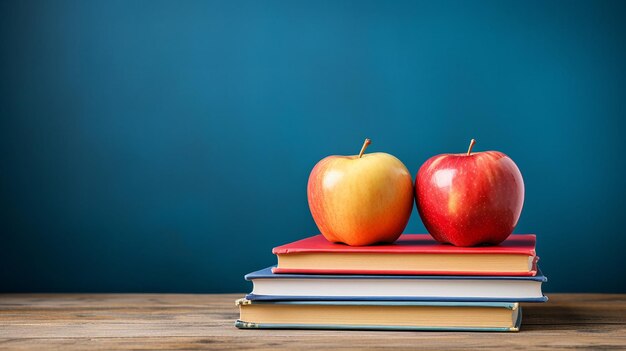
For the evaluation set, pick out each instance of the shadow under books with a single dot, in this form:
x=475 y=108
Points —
x=554 y=317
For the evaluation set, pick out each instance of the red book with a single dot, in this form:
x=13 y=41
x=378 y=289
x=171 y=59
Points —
x=412 y=254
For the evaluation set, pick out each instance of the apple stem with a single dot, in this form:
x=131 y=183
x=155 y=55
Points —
x=472 y=142
x=366 y=143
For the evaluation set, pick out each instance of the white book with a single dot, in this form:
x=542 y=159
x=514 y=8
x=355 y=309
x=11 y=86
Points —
x=270 y=286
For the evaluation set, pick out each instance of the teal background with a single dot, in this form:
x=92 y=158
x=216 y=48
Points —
x=164 y=146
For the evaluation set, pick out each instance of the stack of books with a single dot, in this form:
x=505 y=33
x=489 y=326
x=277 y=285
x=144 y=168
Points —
x=415 y=283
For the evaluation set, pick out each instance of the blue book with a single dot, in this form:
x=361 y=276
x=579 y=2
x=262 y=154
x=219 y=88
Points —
x=311 y=287
x=379 y=315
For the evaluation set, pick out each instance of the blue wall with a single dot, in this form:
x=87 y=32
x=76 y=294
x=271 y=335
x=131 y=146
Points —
x=165 y=146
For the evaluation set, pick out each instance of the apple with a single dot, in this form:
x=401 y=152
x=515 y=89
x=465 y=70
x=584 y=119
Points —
x=361 y=199
x=469 y=199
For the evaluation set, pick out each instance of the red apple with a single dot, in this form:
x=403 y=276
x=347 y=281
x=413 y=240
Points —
x=470 y=199
x=360 y=199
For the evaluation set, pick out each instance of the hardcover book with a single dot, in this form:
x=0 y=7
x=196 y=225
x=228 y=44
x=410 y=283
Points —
x=274 y=287
x=379 y=315
x=411 y=254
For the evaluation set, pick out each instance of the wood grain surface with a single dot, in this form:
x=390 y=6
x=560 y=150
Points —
x=171 y=321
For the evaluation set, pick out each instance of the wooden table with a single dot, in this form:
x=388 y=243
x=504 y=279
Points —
x=161 y=321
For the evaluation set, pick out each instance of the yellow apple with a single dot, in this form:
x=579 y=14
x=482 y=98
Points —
x=361 y=199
